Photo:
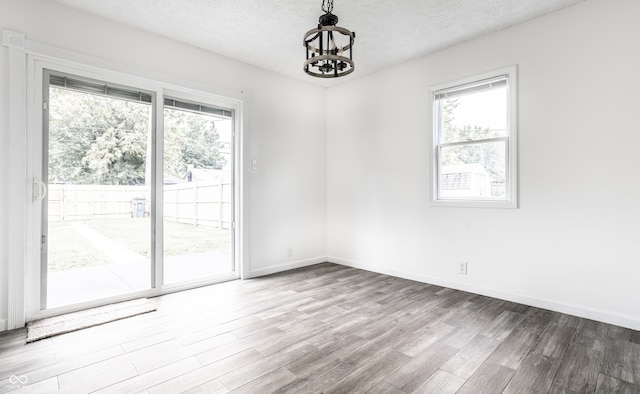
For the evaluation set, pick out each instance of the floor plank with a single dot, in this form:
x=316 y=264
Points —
x=471 y=356
x=332 y=329
x=419 y=368
x=489 y=378
x=578 y=372
x=514 y=348
x=609 y=384
x=440 y=382
x=535 y=375
x=622 y=360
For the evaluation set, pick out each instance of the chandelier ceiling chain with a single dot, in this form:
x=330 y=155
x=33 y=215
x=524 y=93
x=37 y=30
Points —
x=329 y=48
x=327 y=6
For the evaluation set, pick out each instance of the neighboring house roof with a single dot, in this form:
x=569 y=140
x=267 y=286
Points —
x=475 y=168
x=171 y=180
x=459 y=177
x=204 y=174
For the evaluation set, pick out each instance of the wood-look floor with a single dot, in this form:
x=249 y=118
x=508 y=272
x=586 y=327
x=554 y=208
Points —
x=330 y=329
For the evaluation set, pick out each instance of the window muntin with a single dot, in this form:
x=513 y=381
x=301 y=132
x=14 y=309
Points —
x=474 y=141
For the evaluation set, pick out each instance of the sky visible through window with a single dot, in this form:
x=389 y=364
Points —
x=486 y=109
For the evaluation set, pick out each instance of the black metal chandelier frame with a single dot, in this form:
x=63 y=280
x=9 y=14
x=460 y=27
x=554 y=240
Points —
x=324 y=58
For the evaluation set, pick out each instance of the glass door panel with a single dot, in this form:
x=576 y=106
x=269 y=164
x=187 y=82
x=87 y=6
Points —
x=96 y=216
x=197 y=192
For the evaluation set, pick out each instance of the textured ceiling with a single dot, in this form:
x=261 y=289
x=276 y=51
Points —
x=268 y=33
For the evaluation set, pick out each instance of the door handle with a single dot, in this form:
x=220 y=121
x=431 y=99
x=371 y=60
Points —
x=39 y=190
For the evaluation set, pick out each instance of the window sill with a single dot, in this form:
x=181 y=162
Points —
x=500 y=204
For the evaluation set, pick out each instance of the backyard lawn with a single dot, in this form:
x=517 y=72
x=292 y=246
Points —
x=69 y=249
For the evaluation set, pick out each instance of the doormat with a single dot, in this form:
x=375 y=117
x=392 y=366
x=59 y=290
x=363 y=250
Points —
x=52 y=326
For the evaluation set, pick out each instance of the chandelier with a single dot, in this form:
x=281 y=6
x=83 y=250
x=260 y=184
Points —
x=329 y=47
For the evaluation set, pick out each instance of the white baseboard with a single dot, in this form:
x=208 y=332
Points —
x=3 y=325
x=580 y=311
x=285 y=267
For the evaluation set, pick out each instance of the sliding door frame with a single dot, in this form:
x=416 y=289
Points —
x=202 y=98
x=36 y=66
x=44 y=198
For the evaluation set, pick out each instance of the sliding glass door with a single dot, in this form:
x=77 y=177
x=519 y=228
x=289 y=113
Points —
x=99 y=227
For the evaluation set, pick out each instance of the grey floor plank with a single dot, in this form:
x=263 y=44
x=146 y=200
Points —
x=211 y=387
x=514 y=348
x=329 y=328
x=426 y=338
x=149 y=379
x=318 y=383
x=503 y=325
x=592 y=335
x=385 y=388
x=324 y=358
x=96 y=376
x=555 y=340
x=488 y=379
x=367 y=375
x=419 y=368
x=535 y=375
x=465 y=362
x=261 y=367
x=235 y=347
x=440 y=382
x=268 y=383
x=579 y=371
x=71 y=364
x=608 y=384
x=622 y=360
x=204 y=374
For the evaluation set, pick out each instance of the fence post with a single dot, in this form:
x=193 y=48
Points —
x=220 y=203
x=195 y=204
x=176 y=205
x=62 y=202
x=91 y=193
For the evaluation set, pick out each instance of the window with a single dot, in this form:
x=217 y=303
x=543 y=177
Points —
x=474 y=138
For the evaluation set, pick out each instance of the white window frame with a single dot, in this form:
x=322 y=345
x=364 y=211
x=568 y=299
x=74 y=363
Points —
x=511 y=170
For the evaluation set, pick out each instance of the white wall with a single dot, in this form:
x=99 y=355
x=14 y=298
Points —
x=360 y=172
x=285 y=130
x=572 y=245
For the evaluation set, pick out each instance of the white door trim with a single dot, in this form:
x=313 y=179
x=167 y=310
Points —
x=17 y=177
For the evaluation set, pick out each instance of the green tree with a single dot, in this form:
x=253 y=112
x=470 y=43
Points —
x=95 y=139
x=190 y=139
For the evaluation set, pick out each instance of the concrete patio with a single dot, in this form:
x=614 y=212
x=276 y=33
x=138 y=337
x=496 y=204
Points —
x=90 y=283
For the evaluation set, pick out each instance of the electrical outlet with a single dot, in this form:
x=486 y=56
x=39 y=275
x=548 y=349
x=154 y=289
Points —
x=462 y=268
x=290 y=252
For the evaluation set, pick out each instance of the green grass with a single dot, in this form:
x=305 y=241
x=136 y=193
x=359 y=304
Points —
x=178 y=238
x=134 y=233
x=182 y=239
x=68 y=249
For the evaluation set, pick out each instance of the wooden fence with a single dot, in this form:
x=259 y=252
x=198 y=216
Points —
x=201 y=203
